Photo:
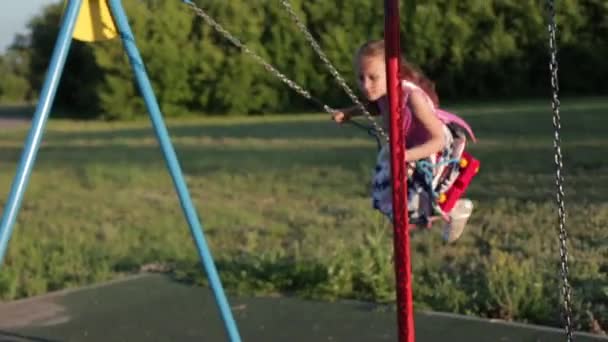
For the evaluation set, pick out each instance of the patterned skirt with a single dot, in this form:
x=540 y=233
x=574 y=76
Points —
x=426 y=178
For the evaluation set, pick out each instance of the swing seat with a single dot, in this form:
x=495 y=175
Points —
x=469 y=167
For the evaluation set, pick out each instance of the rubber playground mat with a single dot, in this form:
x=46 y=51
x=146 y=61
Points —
x=155 y=308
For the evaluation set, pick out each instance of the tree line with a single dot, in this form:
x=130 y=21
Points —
x=472 y=49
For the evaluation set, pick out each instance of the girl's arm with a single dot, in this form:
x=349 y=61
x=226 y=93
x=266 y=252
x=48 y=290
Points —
x=424 y=113
x=346 y=114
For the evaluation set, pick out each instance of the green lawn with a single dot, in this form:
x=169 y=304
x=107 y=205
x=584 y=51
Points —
x=285 y=206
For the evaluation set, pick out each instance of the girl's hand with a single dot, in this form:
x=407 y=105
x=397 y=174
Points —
x=340 y=117
x=411 y=167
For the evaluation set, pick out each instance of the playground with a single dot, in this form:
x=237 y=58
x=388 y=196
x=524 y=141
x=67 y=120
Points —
x=325 y=246
x=260 y=227
x=153 y=308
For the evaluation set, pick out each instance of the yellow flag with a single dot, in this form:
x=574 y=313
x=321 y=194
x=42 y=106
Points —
x=94 y=22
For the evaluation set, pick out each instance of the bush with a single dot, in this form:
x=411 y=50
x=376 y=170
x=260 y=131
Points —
x=477 y=49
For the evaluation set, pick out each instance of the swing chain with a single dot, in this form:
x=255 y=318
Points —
x=559 y=178
x=331 y=68
x=219 y=28
x=293 y=85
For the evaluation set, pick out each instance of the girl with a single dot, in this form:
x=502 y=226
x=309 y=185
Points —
x=430 y=138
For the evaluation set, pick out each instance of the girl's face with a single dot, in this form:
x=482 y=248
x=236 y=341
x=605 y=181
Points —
x=372 y=77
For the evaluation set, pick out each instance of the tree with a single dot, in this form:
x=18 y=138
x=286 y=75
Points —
x=15 y=87
x=77 y=91
x=480 y=48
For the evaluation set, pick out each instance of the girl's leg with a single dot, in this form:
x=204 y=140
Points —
x=458 y=220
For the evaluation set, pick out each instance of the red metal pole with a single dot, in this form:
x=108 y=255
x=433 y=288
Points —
x=401 y=238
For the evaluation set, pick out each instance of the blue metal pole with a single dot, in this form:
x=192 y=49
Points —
x=196 y=230
x=32 y=144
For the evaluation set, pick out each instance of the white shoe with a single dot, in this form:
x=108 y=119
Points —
x=458 y=220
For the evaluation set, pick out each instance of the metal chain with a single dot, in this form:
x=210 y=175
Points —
x=219 y=28
x=331 y=68
x=293 y=85
x=559 y=178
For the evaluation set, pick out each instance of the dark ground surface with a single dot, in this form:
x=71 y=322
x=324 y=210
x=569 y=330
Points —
x=155 y=308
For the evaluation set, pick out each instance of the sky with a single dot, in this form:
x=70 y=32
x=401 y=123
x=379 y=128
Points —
x=15 y=16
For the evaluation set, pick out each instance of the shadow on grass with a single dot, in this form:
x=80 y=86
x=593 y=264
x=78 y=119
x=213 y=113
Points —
x=523 y=173
x=16 y=111
x=576 y=124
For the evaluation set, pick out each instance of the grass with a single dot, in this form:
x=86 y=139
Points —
x=285 y=208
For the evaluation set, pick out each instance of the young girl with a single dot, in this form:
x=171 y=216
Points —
x=428 y=133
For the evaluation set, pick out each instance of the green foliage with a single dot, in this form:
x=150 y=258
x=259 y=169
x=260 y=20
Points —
x=164 y=46
x=472 y=49
x=14 y=87
x=81 y=77
x=515 y=289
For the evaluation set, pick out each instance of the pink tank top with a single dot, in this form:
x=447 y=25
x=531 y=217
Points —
x=415 y=133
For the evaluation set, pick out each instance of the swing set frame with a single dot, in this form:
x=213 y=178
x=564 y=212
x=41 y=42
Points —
x=93 y=20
